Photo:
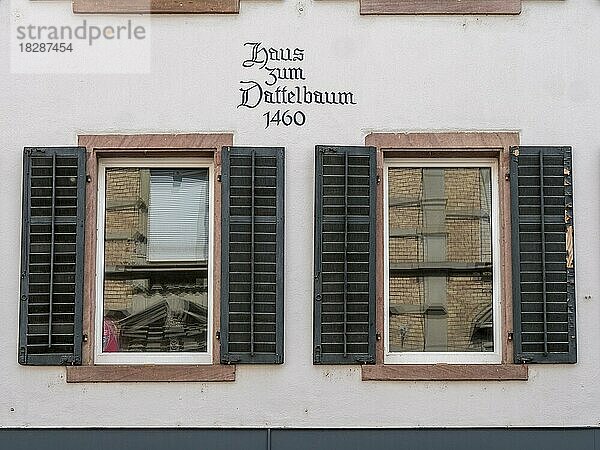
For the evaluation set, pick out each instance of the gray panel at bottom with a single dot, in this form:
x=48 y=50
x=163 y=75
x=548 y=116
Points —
x=302 y=439
x=434 y=439
x=132 y=439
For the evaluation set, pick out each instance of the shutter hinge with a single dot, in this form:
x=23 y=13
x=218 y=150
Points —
x=377 y=336
x=88 y=178
x=378 y=179
x=317 y=353
x=328 y=150
x=22 y=355
x=218 y=335
x=219 y=178
x=84 y=337
x=507 y=176
x=229 y=359
x=510 y=335
x=23 y=274
x=364 y=359
x=515 y=151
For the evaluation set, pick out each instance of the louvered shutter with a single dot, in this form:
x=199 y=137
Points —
x=252 y=255
x=543 y=260
x=344 y=295
x=52 y=256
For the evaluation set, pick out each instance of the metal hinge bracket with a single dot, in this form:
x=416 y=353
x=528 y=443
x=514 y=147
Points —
x=317 y=353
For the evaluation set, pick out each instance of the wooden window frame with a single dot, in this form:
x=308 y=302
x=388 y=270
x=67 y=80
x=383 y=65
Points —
x=155 y=146
x=448 y=145
x=156 y=6
x=385 y=7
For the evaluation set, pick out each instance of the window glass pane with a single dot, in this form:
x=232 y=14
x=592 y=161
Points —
x=440 y=260
x=158 y=302
x=178 y=227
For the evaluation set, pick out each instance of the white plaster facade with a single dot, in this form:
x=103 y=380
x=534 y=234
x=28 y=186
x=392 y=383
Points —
x=537 y=73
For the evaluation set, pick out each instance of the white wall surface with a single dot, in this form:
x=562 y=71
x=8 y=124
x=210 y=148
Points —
x=538 y=73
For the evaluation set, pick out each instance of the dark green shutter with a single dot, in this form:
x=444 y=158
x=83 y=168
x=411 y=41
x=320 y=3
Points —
x=344 y=296
x=543 y=259
x=252 y=255
x=52 y=256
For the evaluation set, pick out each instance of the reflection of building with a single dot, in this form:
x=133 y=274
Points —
x=440 y=259
x=156 y=306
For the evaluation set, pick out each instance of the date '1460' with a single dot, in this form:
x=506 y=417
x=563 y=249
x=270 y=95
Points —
x=285 y=118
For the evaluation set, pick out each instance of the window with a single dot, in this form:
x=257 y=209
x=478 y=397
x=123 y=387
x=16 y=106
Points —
x=440 y=6
x=124 y=239
x=442 y=262
x=154 y=289
x=156 y=6
x=472 y=274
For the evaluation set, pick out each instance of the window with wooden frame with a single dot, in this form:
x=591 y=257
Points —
x=154 y=283
x=156 y=7
x=160 y=216
x=532 y=317
x=440 y=6
x=442 y=261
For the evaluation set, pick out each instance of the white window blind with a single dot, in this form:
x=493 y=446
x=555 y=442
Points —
x=178 y=215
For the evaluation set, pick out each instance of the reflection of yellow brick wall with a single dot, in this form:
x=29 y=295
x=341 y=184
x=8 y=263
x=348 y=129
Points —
x=406 y=188
x=123 y=183
x=120 y=251
x=468 y=239
x=125 y=222
x=462 y=194
x=406 y=291
x=468 y=296
x=117 y=295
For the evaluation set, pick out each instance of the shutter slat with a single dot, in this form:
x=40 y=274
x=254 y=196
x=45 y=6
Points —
x=543 y=265
x=52 y=256
x=344 y=302
x=252 y=255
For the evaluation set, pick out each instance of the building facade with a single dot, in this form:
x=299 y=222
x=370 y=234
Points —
x=300 y=224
